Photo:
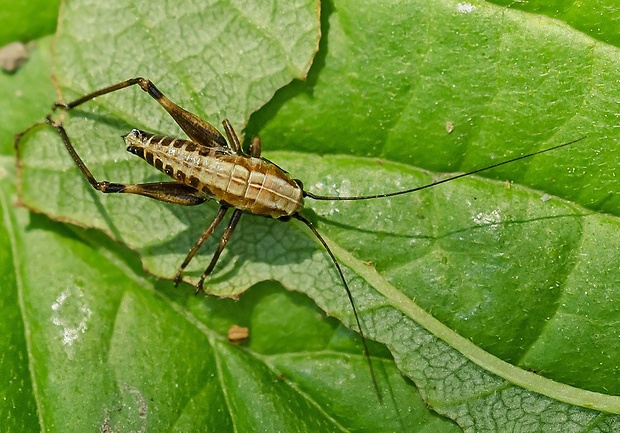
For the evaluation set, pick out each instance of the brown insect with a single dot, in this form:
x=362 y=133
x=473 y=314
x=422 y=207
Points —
x=208 y=166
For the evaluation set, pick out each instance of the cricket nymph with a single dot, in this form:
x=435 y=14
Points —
x=208 y=166
x=251 y=184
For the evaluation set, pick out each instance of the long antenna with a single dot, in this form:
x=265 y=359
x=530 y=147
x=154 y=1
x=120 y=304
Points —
x=392 y=194
x=346 y=287
x=439 y=182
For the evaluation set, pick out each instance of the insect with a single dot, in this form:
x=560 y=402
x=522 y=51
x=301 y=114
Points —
x=209 y=166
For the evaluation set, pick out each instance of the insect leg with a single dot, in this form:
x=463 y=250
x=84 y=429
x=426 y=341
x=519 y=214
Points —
x=255 y=147
x=232 y=224
x=170 y=192
x=197 y=129
x=232 y=137
x=18 y=137
x=349 y=295
x=206 y=235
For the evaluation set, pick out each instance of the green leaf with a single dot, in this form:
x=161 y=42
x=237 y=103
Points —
x=516 y=279
x=92 y=366
x=25 y=20
x=25 y=97
x=112 y=350
x=220 y=60
x=598 y=19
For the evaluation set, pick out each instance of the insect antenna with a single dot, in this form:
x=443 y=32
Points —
x=350 y=296
x=438 y=182
x=392 y=194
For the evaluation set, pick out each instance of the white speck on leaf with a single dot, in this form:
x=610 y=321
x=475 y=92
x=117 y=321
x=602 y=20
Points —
x=71 y=315
x=492 y=219
x=465 y=8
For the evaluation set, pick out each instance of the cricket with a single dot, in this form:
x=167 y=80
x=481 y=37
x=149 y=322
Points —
x=208 y=166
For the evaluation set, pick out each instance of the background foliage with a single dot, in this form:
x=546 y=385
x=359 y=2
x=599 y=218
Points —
x=528 y=279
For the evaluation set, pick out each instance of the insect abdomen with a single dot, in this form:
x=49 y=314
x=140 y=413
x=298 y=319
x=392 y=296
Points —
x=254 y=185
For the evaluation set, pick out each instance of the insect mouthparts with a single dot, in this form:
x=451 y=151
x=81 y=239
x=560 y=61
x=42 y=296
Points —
x=135 y=132
x=134 y=137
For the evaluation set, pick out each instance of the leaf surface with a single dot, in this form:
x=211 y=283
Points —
x=514 y=278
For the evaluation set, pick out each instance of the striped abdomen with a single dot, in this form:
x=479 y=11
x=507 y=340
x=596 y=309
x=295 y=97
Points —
x=254 y=185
